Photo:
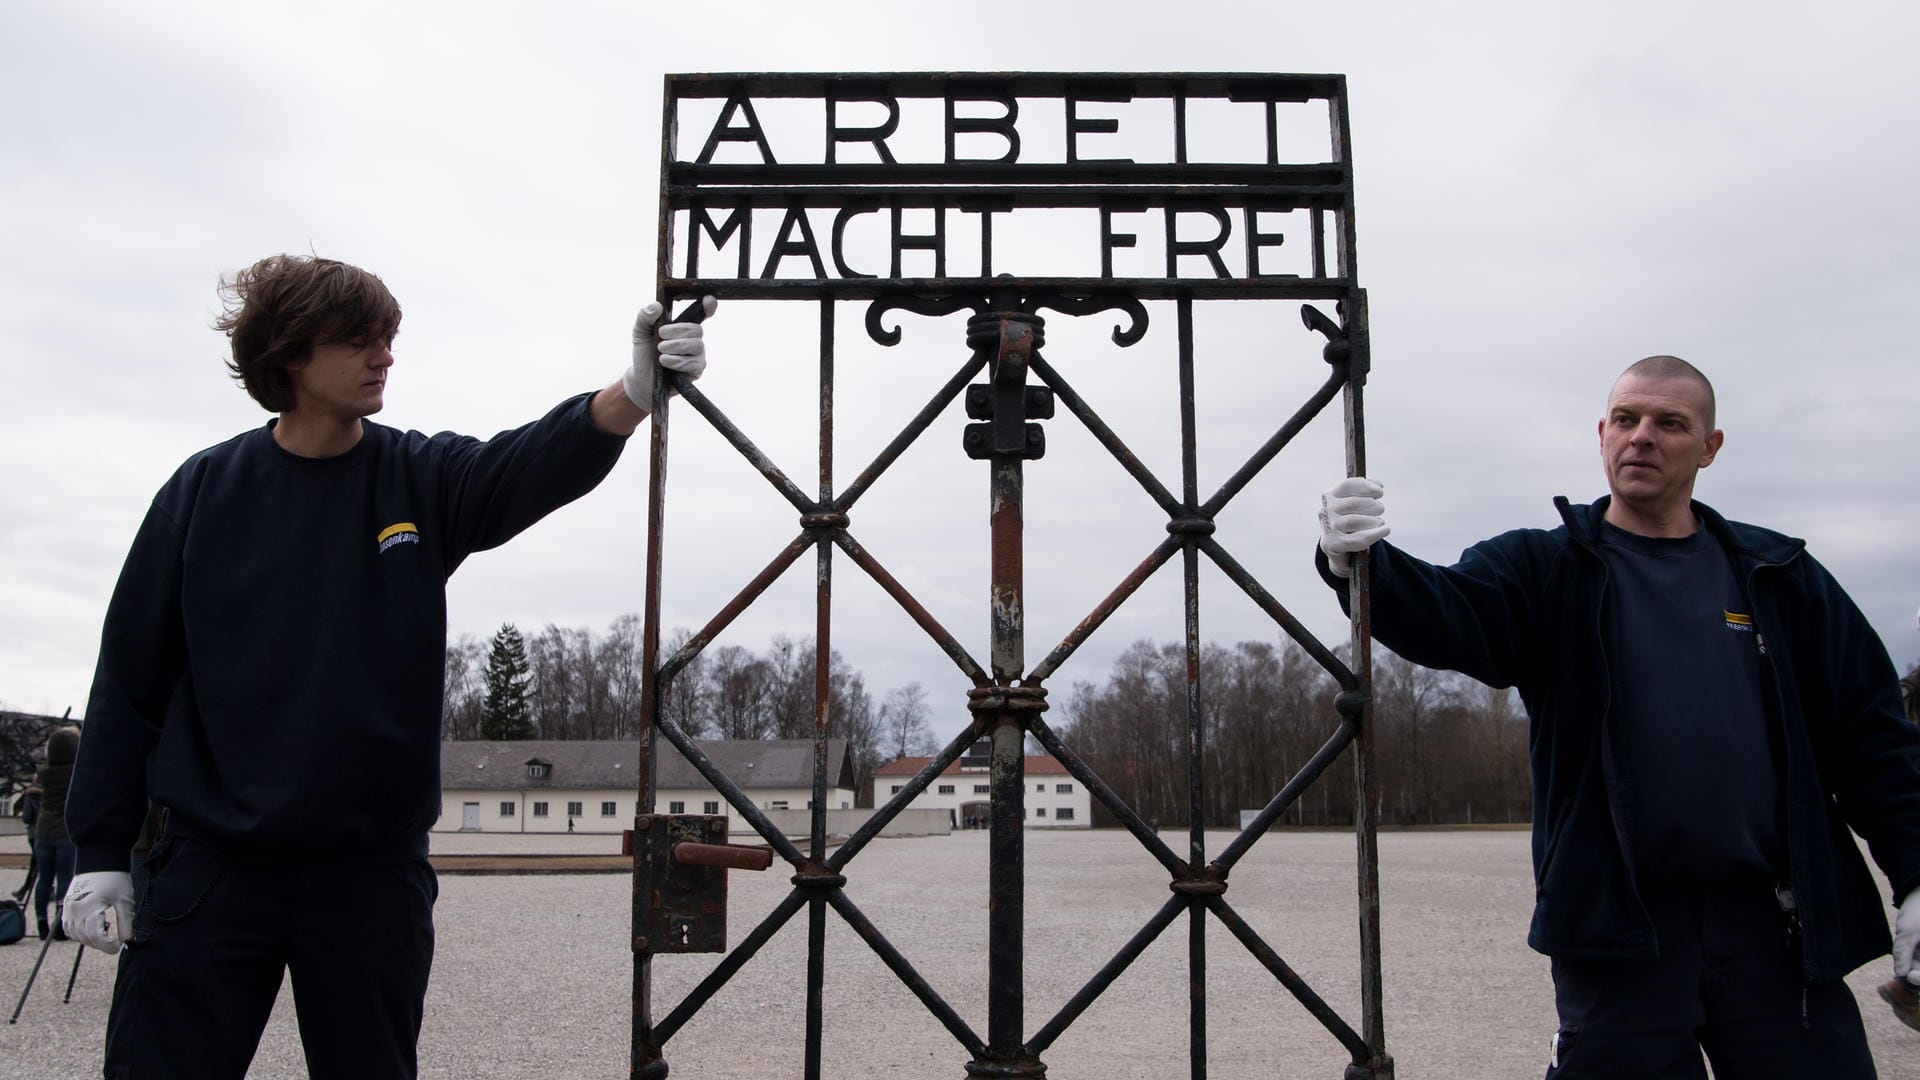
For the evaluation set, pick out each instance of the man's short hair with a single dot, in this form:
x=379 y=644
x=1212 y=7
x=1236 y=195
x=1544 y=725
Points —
x=1672 y=367
x=279 y=308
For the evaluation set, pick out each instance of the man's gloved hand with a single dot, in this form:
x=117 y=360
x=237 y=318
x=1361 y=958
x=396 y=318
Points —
x=99 y=909
x=1906 y=934
x=677 y=346
x=1352 y=517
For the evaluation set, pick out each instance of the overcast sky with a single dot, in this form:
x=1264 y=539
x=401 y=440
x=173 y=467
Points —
x=1545 y=193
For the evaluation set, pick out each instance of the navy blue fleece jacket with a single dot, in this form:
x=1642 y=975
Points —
x=1527 y=609
x=271 y=664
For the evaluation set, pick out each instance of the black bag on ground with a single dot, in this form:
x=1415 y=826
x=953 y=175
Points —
x=13 y=921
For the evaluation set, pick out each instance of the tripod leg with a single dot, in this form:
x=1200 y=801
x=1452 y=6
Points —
x=45 y=943
x=75 y=973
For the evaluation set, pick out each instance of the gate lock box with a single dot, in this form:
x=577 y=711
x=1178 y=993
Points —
x=680 y=869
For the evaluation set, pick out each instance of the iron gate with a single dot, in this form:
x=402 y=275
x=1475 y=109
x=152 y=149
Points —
x=710 y=202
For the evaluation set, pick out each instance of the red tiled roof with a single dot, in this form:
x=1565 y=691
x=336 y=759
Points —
x=1042 y=765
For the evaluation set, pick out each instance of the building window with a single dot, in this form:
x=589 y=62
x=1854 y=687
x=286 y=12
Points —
x=712 y=808
x=1065 y=813
x=1039 y=811
x=539 y=809
x=845 y=805
x=676 y=807
x=1064 y=789
x=946 y=789
x=980 y=789
x=1039 y=787
x=573 y=809
x=606 y=809
x=777 y=804
x=896 y=789
x=537 y=769
x=506 y=809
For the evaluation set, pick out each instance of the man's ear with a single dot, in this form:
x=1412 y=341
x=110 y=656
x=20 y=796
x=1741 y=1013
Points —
x=1714 y=439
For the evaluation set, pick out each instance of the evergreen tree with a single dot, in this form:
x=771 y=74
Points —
x=506 y=714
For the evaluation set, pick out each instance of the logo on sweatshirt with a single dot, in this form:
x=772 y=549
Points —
x=400 y=532
x=1737 y=621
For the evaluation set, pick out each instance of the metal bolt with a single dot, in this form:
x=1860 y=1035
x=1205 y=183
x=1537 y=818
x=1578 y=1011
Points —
x=975 y=438
x=719 y=825
x=643 y=822
x=640 y=943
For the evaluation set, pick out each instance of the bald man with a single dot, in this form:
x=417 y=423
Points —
x=1710 y=715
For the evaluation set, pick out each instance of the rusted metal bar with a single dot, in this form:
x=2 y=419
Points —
x=822 y=703
x=1105 y=977
x=1289 y=978
x=899 y=965
x=729 y=964
x=1103 y=610
x=1237 y=86
x=1366 y=779
x=725 y=786
x=915 y=427
x=744 y=599
x=1105 y=437
x=914 y=609
x=1259 y=595
x=1013 y=341
x=1289 y=793
x=1277 y=287
x=727 y=856
x=686 y=194
x=643 y=1048
x=1196 y=722
x=908 y=792
x=1295 y=424
x=755 y=456
x=1078 y=768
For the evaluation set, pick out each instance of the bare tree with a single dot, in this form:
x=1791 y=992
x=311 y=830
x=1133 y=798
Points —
x=619 y=659
x=464 y=688
x=739 y=686
x=903 y=721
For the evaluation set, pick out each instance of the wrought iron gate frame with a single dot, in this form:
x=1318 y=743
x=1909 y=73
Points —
x=1006 y=335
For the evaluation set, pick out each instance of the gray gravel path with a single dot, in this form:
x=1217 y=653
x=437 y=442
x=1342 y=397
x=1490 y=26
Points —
x=532 y=977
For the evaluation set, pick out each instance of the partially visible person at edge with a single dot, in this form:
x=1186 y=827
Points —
x=270 y=673
x=1710 y=714
x=53 y=849
x=1910 y=686
x=29 y=814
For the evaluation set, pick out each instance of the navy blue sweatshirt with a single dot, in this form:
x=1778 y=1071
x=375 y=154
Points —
x=271 y=663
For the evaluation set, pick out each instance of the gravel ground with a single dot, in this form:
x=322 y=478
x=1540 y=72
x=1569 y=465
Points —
x=532 y=977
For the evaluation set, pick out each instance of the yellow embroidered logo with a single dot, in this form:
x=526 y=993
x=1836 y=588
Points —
x=1737 y=621
x=400 y=532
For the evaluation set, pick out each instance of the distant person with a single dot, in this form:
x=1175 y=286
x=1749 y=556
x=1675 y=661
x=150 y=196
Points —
x=1710 y=714
x=29 y=814
x=29 y=811
x=270 y=672
x=52 y=847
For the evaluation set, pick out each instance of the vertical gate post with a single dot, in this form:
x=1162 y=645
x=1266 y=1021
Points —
x=1357 y=708
x=1010 y=336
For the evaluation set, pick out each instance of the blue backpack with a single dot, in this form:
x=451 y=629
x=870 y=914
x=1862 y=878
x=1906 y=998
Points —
x=13 y=921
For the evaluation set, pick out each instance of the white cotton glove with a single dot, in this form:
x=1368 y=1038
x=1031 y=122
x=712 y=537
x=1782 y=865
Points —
x=99 y=909
x=677 y=346
x=1906 y=934
x=1352 y=517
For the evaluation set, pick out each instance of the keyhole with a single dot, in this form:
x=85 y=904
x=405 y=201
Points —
x=682 y=932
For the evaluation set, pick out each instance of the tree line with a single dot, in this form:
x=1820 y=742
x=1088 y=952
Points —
x=1447 y=749
x=566 y=683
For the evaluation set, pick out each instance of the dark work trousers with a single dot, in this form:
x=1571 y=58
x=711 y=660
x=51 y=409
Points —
x=1727 y=981
x=213 y=935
